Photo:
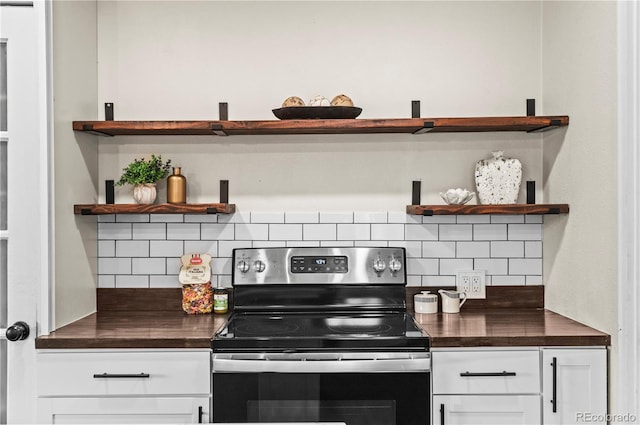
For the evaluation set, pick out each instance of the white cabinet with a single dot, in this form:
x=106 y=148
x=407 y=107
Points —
x=486 y=409
x=123 y=386
x=574 y=382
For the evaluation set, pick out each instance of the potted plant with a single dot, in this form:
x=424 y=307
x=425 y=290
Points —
x=143 y=176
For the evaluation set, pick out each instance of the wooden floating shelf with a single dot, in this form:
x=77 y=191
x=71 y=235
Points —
x=315 y=126
x=103 y=209
x=513 y=209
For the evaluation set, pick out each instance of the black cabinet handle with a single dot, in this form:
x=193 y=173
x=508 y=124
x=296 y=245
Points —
x=200 y=414
x=554 y=389
x=473 y=374
x=121 y=375
x=442 y=414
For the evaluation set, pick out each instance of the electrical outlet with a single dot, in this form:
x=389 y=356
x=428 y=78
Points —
x=472 y=283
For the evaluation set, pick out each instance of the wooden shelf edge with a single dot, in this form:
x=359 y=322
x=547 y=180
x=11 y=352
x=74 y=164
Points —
x=105 y=209
x=334 y=126
x=512 y=209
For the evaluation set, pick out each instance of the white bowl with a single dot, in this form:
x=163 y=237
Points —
x=457 y=196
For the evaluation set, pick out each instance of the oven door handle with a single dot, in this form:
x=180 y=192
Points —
x=320 y=364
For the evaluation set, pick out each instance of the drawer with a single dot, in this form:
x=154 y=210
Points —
x=486 y=372
x=115 y=372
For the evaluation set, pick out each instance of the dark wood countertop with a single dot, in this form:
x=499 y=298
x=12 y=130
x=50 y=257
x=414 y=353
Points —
x=508 y=327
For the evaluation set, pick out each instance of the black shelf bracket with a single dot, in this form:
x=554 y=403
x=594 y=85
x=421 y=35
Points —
x=88 y=128
x=224 y=191
x=531 y=107
x=85 y=211
x=427 y=213
x=415 y=109
x=108 y=111
x=218 y=130
x=415 y=192
x=210 y=210
x=223 y=111
x=551 y=126
x=428 y=126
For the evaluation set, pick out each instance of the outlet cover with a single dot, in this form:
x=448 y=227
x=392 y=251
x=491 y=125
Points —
x=472 y=283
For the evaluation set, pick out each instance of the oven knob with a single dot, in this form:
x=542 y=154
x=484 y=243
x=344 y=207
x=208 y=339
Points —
x=258 y=266
x=395 y=265
x=243 y=266
x=379 y=265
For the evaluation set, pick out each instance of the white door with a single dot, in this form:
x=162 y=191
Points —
x=23 y=202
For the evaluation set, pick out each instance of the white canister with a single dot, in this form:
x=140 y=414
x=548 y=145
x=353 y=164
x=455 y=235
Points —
x=425 y=302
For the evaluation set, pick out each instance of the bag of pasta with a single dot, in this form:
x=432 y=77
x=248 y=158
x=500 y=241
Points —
x=195 y=277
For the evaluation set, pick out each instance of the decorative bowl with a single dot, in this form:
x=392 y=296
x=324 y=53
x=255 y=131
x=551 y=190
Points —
x=457 y=196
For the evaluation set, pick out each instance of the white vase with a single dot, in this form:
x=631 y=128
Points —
x=144 y=193
x=498 y=179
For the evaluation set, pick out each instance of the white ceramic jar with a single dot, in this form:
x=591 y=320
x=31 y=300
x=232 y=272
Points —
x=425 y=302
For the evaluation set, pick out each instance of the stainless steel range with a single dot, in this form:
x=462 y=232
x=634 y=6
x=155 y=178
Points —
x=321 y=335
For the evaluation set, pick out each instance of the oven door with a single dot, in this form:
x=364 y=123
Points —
x=354 y=388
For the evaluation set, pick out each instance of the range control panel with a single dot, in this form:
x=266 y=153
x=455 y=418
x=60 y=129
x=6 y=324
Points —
x=319 y=264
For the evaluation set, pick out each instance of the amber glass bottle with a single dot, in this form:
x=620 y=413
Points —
x=176 y=187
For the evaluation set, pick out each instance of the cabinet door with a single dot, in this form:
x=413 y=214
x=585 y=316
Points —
x=486 y=410
x=574 y=385
x=123 y=410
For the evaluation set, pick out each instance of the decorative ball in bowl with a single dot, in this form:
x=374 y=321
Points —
x=457 y=196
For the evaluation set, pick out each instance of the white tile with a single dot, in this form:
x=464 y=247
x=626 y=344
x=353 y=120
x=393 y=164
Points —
x=148 y=266
x=317 y=232
x=421 y=266
x=337 y=217
x=350 y=232
x=456 y=232
x=386 y=232
x=472 y=249
x=439 y=219
x=173 y=265
x=413 y=248
x=238 y=217
x=114 y=265
x=106 y=281
x=531 y=266
x=224 y=281
x=374 y=244
x=370 y=217
x=534 y=219
x=414 y=280
x=421 y=232
x=507 y=280
x=473 y=219
x=132 y=281
x=247 y=232
x=166 y=218
x=201 y=247
x=504 y=219
x=217 y=231
x=533 y=280
x=525 y=232
x=110 y=218
x=149 y=231
x=507 y=249
x=132 y=248
x=533 y=249
x=183 y=231
x=267 y=217
x=336 y=243
x=493 y=266
x=489 y=232
x=132 y=218
x=285 y=232
x=225 y=248
x=221 y=266
x=302 y=217
x=114 y=231
x=295 y=244
x=438 y=281
x=402 y=218
x=437 y=249
x=452 y=266
x=167 y=249
x=201 y=218
x=106 y=248
x=268 y=244
x=164 y=281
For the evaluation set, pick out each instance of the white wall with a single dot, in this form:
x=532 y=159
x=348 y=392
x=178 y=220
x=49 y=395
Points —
x=177 y=60
x=579 y=78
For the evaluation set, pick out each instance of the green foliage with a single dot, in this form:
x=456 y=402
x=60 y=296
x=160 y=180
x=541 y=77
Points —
x=141 y=171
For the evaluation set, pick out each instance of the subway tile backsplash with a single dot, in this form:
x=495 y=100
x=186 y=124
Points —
x=143 y=251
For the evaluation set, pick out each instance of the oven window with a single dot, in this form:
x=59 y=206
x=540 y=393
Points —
x=356 y=399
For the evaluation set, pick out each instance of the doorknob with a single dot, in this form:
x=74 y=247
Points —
x=16 y=332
